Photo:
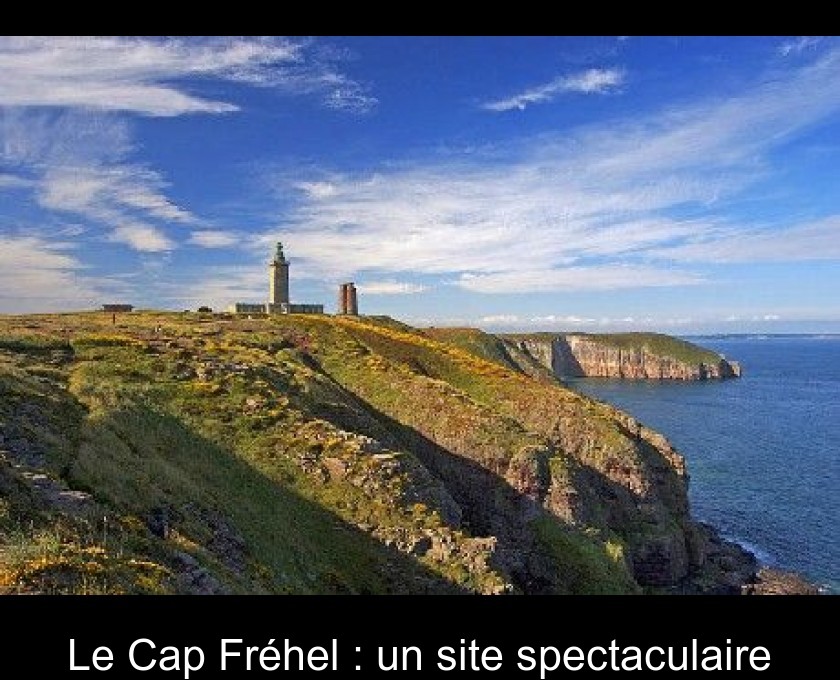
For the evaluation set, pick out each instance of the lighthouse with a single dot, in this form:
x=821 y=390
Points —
x=278 y=292
x=278 y=280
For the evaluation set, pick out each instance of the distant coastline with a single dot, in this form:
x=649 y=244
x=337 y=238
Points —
x=758 y=336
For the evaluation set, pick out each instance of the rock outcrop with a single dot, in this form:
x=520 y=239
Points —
x=578 y=356
x=769 y=581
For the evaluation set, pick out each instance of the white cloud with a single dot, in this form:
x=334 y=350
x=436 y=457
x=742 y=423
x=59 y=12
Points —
x=102 y=192
x=8 y=181
x=799 y=45
x=75 y=164
x=799 y=242
x=59 y=99
x=216 y=286
x=125 y=199
x=43 y=275
x=317 y=189
x=594 y=208
x=513 y=323
x=390 y=287
x=142 y=237
x=595 y=277
x=500 y=320
x=592 y=81
x=53 y=138
x=147 y=76
x=214 y=239
x=568 y=320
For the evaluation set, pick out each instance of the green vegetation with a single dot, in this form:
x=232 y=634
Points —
x=492 y=348
x=32 y=343
x=587 y=566
x=656 y=344
x=204 y=453
x=476 y=342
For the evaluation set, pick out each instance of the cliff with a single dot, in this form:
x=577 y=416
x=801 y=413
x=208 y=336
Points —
x=626 y=355
x=196 y=454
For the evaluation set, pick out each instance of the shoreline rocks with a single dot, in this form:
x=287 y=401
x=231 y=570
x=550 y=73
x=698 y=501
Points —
x=772 y=581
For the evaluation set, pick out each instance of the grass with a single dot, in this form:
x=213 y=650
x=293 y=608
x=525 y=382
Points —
x=586 y=565
x=185 y=447
x=66 y=558
x=656 y=344
x=32 y=343
x=475 y=342
x=305 y=454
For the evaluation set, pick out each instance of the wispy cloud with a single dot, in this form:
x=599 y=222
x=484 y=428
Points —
x=570 y=322
x=799 y=45
x=64 y=133
x=582 y=324
x=142 y=237
x=591 y=81
x=107 y=192
x=390 y=287
x=34 y=140
x=592 y=277
x=76 y=164
x=214 y=239
x=811 y=241
x=150 y=76
x=317 y=189
x=39 y=275
x=124 y=198
x=8 y=181
x=598 y=208
x=216 y=286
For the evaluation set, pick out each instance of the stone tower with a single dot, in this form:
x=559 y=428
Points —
x=347 y=301
x=278 y=280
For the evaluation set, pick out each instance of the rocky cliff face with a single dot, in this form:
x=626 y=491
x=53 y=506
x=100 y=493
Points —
x=560 y=462
x=581 y=356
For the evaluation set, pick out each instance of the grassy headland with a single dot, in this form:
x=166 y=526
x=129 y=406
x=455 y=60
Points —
x=177 y=452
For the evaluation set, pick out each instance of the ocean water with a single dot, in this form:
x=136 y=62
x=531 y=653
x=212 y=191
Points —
x=763 y=452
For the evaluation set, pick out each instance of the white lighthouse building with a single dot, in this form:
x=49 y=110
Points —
x=278 y=292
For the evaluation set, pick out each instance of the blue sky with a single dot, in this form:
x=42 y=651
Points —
x=675 y=184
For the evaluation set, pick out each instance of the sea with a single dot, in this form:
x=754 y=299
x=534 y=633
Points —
x=763 y=451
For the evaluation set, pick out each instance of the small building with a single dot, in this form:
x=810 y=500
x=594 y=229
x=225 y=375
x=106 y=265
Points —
x=295 y=308
x=117 y=307
x=247 y=308
x=269 y=308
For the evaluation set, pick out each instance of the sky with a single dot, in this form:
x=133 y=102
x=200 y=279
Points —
x=683 y=185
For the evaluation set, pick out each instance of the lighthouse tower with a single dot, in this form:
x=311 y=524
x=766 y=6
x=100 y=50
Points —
x=278 y=281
